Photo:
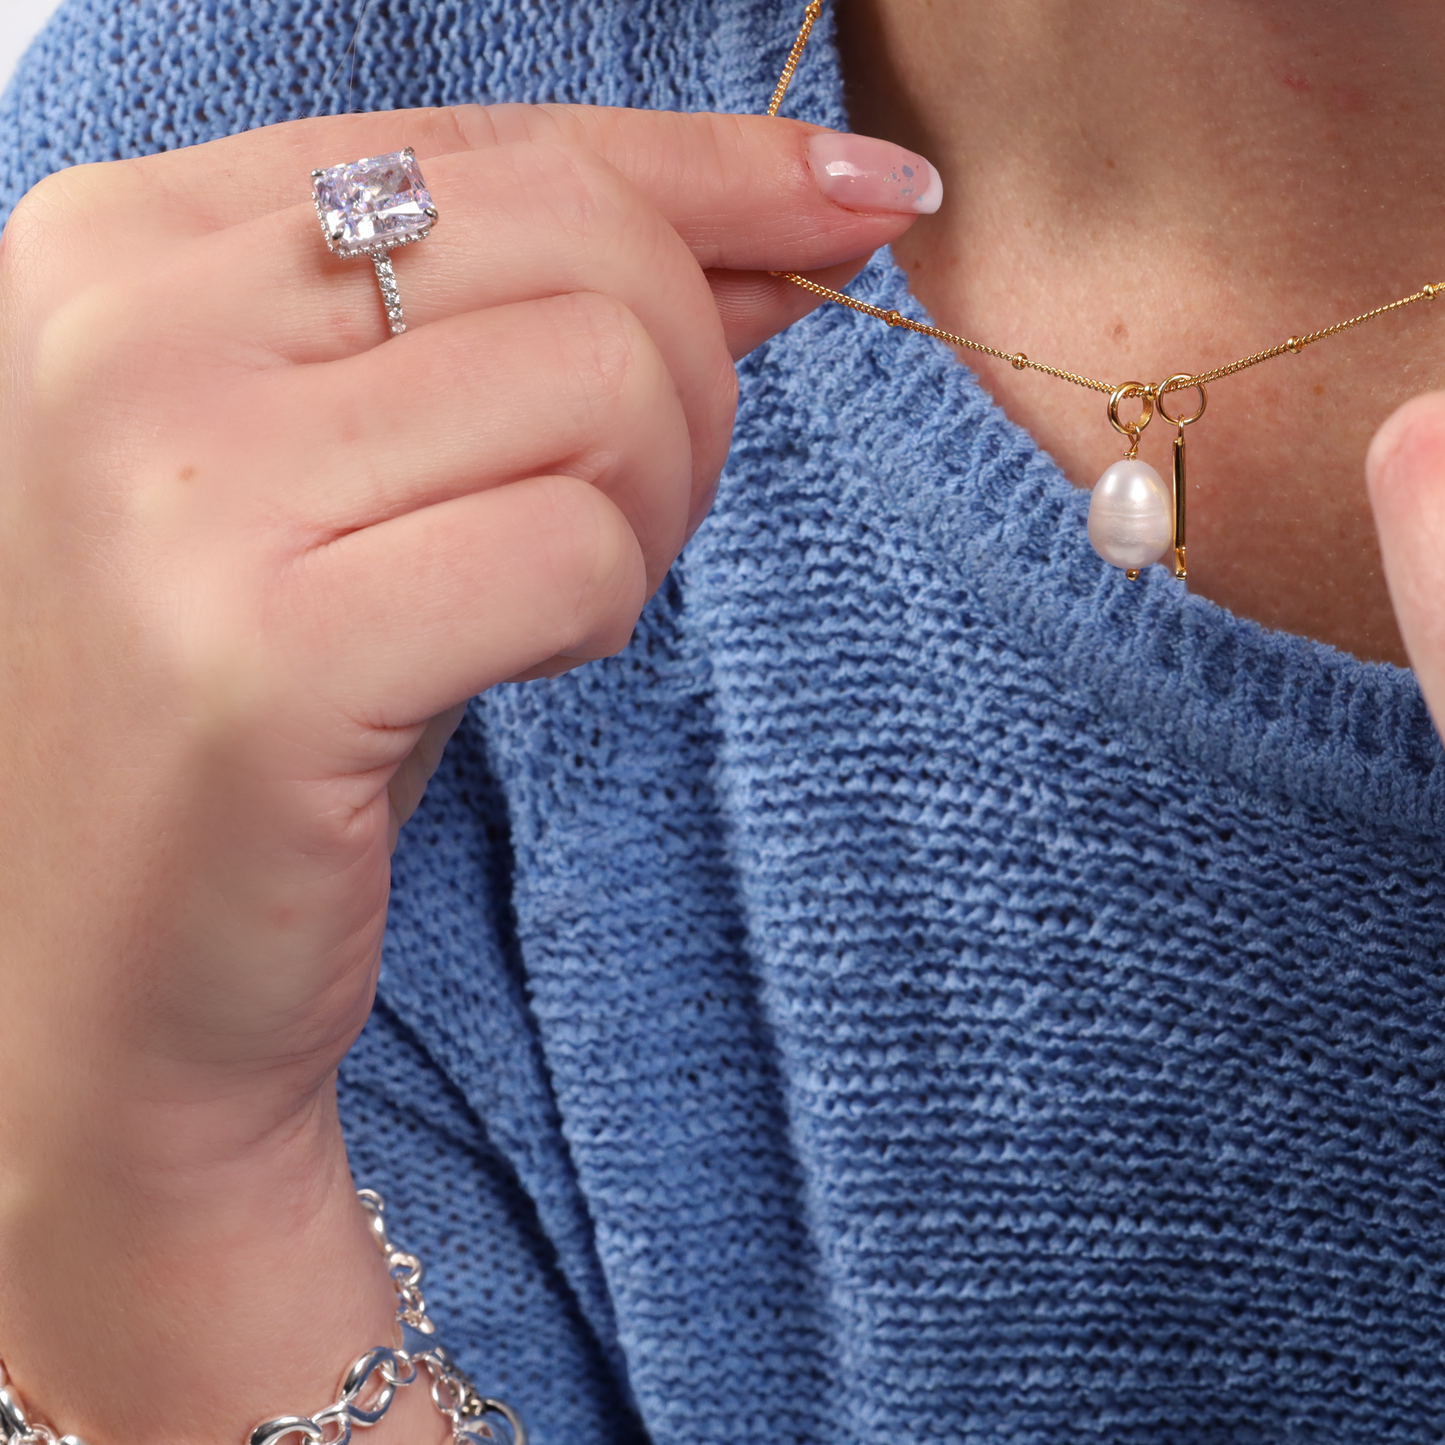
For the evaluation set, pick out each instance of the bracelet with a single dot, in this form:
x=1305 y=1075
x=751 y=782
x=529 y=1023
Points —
x=367 y=1389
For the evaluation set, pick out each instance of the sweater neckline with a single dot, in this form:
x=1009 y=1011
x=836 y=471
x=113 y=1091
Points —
x=1293 y=721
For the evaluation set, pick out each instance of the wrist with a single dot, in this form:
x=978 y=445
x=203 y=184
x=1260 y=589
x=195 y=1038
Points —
x=187 y=1302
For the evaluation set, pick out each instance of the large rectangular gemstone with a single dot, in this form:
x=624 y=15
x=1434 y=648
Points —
x=373 y=203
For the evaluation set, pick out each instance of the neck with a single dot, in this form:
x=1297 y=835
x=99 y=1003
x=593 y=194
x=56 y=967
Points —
x=1167 y=191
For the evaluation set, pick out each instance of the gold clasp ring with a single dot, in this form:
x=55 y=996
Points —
x=1163 y=387
x=1131 y=429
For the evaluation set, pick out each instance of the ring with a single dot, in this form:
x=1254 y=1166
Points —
x=1181 y=419
x=1131 y=429
x=371 y=207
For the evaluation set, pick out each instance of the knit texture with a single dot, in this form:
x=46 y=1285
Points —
x=924 y=989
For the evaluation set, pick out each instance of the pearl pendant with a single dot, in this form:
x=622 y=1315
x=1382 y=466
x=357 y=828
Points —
x=1131 y=515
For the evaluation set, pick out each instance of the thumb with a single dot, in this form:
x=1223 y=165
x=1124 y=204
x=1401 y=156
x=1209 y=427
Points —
x=1405 y=471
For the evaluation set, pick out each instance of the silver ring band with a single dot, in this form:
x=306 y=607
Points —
x=370 y=208
x=390 y=296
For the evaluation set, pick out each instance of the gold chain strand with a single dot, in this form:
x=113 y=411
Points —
x=1296 y=344
x=1017 y=359
x=810 y=19
x=896 y=318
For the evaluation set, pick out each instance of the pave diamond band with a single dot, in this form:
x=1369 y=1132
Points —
x=371 y=207
x=390 y=296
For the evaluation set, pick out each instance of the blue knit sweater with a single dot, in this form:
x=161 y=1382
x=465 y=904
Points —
x=925 y=989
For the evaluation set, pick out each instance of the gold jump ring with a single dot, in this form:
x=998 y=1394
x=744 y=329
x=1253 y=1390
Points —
x=1166 y=384
x=1126 y=428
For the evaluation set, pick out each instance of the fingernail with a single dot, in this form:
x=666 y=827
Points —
x=864 y=174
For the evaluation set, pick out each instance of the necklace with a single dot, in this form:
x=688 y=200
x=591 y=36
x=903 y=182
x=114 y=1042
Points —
x=1134 y=518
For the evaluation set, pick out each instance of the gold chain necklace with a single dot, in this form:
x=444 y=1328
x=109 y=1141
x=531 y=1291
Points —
x=1134 y=519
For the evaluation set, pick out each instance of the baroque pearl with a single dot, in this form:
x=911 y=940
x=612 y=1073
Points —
x=1131 y=515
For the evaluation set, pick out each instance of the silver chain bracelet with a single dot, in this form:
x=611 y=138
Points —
x=367 y=1389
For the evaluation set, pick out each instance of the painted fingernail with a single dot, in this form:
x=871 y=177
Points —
x=864 y=174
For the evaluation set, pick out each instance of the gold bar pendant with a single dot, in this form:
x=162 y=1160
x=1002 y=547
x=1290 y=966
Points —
x=1180 y=570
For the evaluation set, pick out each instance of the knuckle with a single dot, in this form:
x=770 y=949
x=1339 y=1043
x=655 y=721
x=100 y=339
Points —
x=57 y=216
x=598 y=342
x=607 y=226
x=56 y=200
x=548 y=121
x=72 y=320
x=476 y=126
x=81 y=345
x=32 y=237
x=583 y=193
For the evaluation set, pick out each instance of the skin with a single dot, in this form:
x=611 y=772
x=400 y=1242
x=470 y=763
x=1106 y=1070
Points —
x=228 y=664
x=1170 y=188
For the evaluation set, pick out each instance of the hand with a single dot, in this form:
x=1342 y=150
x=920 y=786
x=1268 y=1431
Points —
x=253 y=558
x=1406 y=474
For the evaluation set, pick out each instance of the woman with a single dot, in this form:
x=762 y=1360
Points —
x=925 y=984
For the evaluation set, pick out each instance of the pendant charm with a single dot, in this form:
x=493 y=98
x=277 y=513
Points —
x=1181 y=485
x=1131 y=515
x=1180 y=570
x=1134 y=516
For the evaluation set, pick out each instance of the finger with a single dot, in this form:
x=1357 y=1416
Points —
x=394 y=624
x=524 y=222
x=1406 y=474
x=754 y=305
x=742 y=191
x=569 y=385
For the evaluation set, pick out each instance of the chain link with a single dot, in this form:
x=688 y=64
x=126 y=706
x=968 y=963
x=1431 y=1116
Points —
x=1017 y=359
x=367 y=1389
